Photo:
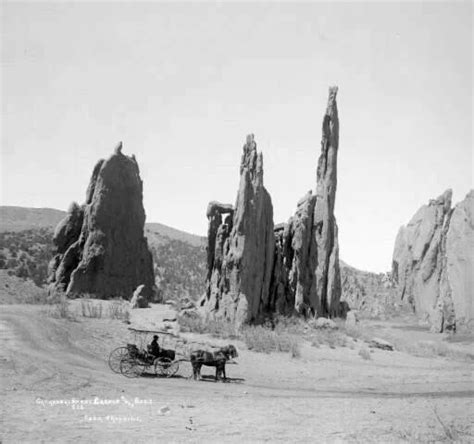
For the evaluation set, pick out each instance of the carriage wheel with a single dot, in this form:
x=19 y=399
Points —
x=166 y=367
x=116 y=357
x=132 y=368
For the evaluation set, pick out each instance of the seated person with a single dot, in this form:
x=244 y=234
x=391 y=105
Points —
x=154 y=348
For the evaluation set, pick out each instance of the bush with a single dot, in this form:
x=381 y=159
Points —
x=119 y=310
x=61 y=310
x=218 y=328
x=261 y=339
x=90 y=309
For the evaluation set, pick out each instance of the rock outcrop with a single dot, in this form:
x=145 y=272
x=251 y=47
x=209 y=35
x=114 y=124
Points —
x=241 y=246
x=255 y=268
x=101 y=247
x=432 y=262
x=460 y=259
x=309 y=275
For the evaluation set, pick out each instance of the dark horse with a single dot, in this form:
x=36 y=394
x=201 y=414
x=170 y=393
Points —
x=215 y=359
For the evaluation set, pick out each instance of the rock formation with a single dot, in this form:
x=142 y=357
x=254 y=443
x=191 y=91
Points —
x=255 y=268
x=101 y=247
x=432 y=262
x=241 y=246
x=460 y=259
x=310 y=275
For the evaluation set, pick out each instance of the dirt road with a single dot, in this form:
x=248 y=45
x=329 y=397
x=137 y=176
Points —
x=57 y=387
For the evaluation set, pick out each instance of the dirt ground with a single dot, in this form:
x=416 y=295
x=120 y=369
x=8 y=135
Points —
x=56 y=386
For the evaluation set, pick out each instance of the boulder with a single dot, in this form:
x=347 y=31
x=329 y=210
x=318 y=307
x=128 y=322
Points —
x=351 y=319
x=139 y=298
x=325 y=323
x=101 y=248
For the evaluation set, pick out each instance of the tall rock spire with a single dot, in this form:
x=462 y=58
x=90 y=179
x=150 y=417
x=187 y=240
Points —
x=255 y=270
x=326 y=291
x=308 y=276
x=241 y=246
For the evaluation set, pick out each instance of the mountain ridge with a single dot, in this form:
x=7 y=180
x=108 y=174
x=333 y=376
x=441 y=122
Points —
x=17 y=218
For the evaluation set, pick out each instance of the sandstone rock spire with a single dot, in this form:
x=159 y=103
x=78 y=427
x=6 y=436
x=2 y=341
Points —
x=101 y=247
x=241 y=247
x=309 y=274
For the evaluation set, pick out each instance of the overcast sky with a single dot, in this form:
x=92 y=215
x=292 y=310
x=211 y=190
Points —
x=182 y=84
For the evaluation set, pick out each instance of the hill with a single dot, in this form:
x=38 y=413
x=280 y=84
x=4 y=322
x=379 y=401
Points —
x=20 y=218
x=172 y=233
x=26 y=247
x=179 y=259
x=14 y=219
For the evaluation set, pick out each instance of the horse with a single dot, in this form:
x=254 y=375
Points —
x=215 y=359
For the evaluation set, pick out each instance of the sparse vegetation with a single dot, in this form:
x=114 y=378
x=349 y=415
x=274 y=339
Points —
x=180 y=267
x=26 y=254
x=257 y=338
x=215 y=327
x=62 y=310
x=91 y=309
x=261 y=339
x=119 y=310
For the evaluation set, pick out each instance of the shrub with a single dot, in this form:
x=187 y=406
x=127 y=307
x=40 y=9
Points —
x=261 y=339
x=218 y=328
x=119 y=310
x=90 y=309
x=61 y=310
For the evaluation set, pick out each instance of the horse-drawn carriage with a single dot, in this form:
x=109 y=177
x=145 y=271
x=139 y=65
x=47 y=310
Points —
x=134 y=360
x=137 y=359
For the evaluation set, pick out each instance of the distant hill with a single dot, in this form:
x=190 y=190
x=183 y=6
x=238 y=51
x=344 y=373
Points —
x=26 y=247
x=22 y=218
x=173 y=233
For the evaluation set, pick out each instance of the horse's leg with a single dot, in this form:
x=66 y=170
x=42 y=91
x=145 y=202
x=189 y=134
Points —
x=199 y=367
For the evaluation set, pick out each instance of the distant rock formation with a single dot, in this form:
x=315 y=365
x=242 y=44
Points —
x=373 y=294
x=101 y=247
x=255 y=268
x=309 y=276
x=241 y=246
x=432 y=262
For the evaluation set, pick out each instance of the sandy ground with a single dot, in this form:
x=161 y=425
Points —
x=56 y=386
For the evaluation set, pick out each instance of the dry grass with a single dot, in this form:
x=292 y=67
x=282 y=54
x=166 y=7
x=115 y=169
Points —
x=90 y=309
x=257 y=338
x=261 y=339
x=215 y=327
x=62 y=310
x=119 y=310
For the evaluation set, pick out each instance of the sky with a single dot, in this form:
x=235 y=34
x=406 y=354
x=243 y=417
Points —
x=182 y=84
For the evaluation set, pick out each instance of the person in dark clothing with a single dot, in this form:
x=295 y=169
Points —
x=154 y=347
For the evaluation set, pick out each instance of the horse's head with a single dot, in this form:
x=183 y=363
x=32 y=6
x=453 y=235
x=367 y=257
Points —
x=230 y=351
